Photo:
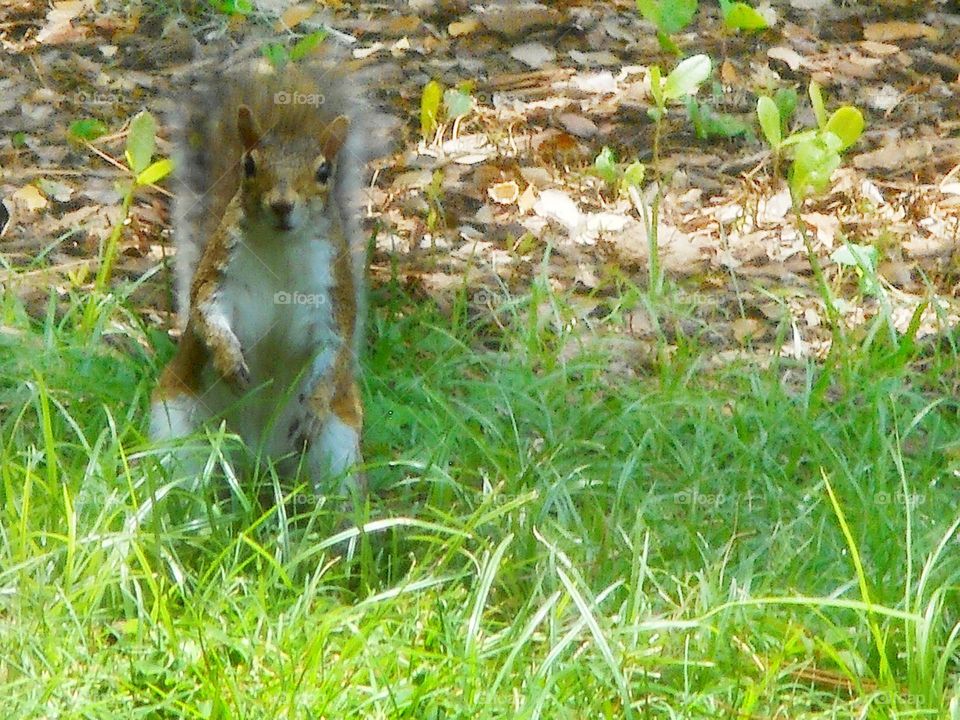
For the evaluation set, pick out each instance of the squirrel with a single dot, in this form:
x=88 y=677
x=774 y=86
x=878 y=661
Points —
x=270 y=269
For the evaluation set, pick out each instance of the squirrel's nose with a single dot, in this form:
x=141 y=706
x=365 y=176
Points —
x=282 y=208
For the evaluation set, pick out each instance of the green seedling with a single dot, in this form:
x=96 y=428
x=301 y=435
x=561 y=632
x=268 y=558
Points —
x=278 y=55
x=430 y=109
x=740 y=16
x=234 y=7
x=708 y=123
x=616 y=175
x=458 y=101
x=141 y=142
x=815 y=154
x=87 y=129
x=682 y=82
x=669 y=17
x=864 y=259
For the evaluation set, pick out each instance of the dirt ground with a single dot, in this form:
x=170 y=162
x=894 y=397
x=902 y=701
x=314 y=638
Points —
x=506 y=194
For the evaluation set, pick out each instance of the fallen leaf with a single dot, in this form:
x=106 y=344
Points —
x=900 y=30
x=59 y=28
x=791 y=58
x=745 y=329
x=578 y=125
x=504 y=193
x=293 y=16
x=30 y=197
x=463 y=27
x=558 y=206
x=533 y=54
x=526 y=201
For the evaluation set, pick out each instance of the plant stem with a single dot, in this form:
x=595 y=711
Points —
x=107 y=258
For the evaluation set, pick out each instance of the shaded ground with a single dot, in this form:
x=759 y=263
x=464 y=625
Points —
x=552 y=86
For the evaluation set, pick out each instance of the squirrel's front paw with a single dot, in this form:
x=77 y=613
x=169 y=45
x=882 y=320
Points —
x=239 y=378
x=234 y=371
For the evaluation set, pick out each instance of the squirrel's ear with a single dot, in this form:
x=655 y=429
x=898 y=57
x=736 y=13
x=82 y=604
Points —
x=249 y=132
x=334 y=135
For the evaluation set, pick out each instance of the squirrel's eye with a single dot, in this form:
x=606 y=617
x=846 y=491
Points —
x=323 y=171
x=249 y=166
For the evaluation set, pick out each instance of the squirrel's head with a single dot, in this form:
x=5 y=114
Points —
x=287 y=168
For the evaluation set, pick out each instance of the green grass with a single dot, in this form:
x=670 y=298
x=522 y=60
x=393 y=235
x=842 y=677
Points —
x=548 y=538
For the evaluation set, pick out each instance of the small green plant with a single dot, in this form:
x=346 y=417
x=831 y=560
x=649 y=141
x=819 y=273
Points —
x=233 y=7
x=740 y=16
x=864 y=259
x=438 y=105
x=430 y=101
x=87 y=129
x=682 y=82
x=618 y=176
x=708 y=123
x=672 y=16
x=669 y=17
x=279 y=55
x=814 y=154
x=141 y=142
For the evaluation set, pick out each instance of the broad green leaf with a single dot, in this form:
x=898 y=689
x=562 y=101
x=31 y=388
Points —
x=276 y=54
x=786 y=100
x=669 y=16
x=307 y=44
x=847 y=124
x=140 y=141
x=605 y=165
x=686 y=77
x=633 y=174
x=656 y=86
x=457 y=102
x=865 y=259
x=430 y=108
x=159 y=170
x=235 y=7
x=87 y=129
x=851 y=255
x=708 y=123
x=816 y=99
x=740 y=16
x=769 y=116
x=696 y=117
x=799 y=137
x=813 y=164
x=666 y=43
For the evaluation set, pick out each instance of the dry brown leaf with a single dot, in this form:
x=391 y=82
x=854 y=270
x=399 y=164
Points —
x=745 y=329
x=293 y=16
x=505 y=193
x=30 y=197
x=900 y=30
x=463 y=27
x=790 y=57
x=59 y=28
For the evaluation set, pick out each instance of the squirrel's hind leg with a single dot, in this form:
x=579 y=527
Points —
x=174 y=418
x=331 y=440
x=335 y=453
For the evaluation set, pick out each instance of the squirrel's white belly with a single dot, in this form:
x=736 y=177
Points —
x=280 y=305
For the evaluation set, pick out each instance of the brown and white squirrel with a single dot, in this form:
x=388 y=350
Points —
x=270 y=269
